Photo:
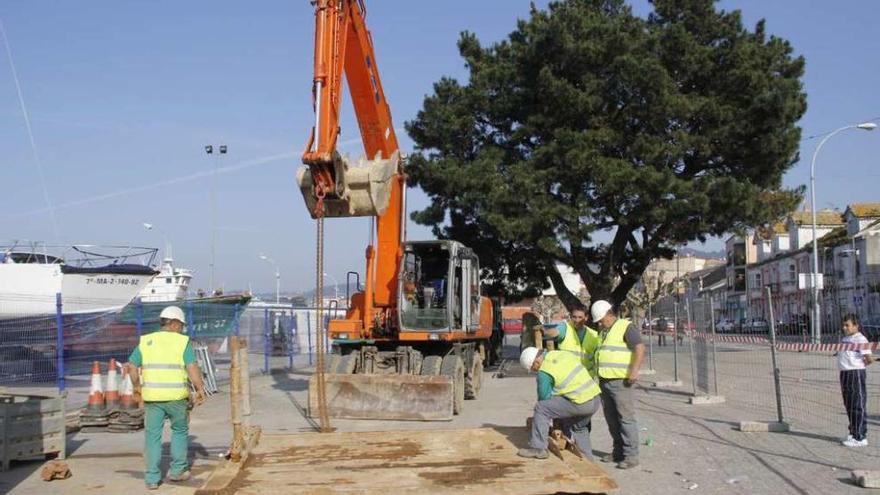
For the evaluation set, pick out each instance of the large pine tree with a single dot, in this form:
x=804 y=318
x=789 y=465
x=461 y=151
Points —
x=603 y=140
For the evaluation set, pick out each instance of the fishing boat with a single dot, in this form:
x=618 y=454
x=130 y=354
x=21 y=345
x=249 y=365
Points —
x=171 y=284
x=83 y=287
x=89 y=279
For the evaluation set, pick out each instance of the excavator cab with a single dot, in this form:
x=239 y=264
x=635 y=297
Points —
x=439 y=287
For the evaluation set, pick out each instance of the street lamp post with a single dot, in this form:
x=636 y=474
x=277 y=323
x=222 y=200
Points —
x=150 y=226
x=335 y=285
x=814 y=279
x=277 y=278
x=209 y=149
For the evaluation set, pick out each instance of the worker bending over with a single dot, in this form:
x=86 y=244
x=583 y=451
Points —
x=567 y=392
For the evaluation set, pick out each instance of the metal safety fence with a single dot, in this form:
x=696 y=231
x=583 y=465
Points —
x=767 y=370
x=57 y=345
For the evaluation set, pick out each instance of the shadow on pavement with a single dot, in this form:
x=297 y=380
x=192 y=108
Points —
x=284 y=382
x=667 y=391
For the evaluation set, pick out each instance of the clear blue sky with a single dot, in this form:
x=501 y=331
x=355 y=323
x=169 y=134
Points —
x=123 y=95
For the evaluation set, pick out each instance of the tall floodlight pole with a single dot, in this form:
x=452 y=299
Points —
x=209 y=149
x=816 y=330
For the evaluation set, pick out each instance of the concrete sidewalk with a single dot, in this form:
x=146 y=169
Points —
x=694 y=448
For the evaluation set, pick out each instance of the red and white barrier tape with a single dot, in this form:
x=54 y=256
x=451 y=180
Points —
x=780 y=346
x=785 y=346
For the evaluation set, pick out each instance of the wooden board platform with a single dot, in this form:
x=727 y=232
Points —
x=428 y=461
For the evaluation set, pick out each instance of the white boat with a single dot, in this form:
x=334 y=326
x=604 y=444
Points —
x=171 y=284
x=90 y=279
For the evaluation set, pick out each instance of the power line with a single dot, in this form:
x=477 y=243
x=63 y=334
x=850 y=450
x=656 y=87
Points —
x=30 y=132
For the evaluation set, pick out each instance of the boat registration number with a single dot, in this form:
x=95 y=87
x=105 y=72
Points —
x=111 y=281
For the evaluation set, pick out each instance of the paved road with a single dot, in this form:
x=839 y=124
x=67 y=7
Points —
x=693 y=447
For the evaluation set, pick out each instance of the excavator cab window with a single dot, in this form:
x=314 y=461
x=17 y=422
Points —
x=424 y=291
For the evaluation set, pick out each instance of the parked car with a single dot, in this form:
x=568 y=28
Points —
x=754 y=325
x=512 y=326
x=870 y=327
x=725 y=325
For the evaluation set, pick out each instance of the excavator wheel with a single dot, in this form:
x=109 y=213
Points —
x=431 y=366
x=453 y=367
x=474 y=380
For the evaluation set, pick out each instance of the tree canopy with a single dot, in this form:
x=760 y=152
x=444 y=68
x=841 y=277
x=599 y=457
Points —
x=599 y=139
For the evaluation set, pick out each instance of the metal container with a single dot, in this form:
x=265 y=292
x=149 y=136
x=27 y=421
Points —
x=31 y=426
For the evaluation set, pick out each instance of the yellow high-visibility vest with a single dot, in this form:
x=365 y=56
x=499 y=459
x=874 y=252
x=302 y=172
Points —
x=613 y=357
x=570 y=379
x=163 y=371
x=585 y=349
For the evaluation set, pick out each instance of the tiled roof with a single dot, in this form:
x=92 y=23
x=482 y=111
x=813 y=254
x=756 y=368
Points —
x=865 y=210
x=767 y=233
x=823 y=217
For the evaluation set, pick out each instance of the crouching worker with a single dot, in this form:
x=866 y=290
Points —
x=567 y=392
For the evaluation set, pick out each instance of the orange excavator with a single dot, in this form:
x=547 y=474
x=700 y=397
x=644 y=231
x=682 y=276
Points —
x=414 y=341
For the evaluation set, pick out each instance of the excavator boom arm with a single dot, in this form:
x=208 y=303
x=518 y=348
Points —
x=333 y=187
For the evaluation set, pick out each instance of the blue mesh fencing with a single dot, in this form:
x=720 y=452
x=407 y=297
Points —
x=86 y=330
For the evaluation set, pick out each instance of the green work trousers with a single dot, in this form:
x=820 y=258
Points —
x=154 y=420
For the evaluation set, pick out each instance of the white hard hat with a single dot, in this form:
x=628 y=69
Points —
x=599 y=310
x=173 y=313
x=528 y=357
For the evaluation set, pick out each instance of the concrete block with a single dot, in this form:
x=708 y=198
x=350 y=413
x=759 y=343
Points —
x=647 y=372
x=668 y=384
x=763 y=426
x=700 y=400
x=866 y=479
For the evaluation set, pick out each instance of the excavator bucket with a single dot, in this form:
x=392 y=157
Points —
x=362 y=188
x=389 y=397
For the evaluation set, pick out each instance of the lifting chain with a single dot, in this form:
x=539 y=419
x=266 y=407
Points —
x=323 y=417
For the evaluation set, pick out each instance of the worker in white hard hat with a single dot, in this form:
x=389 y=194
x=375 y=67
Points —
x=618 y=360
x=567 y=392
x=166 y=360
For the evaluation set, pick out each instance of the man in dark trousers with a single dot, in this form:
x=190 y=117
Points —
x=662 y=324
x=567 y=392
x=618 y=360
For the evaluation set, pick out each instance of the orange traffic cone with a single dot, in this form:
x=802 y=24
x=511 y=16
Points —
x=111 y=396
x=96 y=392
x=127 y=401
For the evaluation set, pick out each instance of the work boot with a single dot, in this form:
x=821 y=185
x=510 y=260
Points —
x=609 y=458
x=179 y=477
x=628 y=463
x=152 y=486
x=533 y=453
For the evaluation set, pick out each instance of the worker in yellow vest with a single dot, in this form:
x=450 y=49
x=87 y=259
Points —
x=567 y=392
x=166 y=359
x=618 y=360
x=575 y=337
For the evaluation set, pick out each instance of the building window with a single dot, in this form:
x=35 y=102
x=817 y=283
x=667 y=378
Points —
x=168 y=280
x=739 y=254
x=739 y=284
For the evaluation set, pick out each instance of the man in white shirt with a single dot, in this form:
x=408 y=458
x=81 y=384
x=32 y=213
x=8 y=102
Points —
x=852 y=382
